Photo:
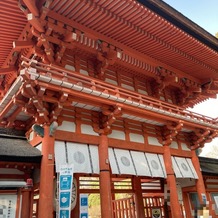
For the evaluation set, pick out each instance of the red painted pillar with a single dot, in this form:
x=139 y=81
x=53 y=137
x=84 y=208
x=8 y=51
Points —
x=76 y=211
x=171 y=183
x=138 y=198
x=199 y=182
x=46 y=176
x=105 y=179
x=186 y=204
x=26 y=203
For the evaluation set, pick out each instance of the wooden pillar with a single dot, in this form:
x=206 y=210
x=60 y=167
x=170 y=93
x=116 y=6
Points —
x=171 y=183
x=138 y=198
x=105 y=179
x=19 y=201
x=31 y=202
x=76 y=211
x=46 y=176
x=25 y=209
x=186 y=204
x=199 y=182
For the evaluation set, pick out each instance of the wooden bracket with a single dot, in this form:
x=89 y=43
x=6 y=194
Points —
x=103 y=122
x=170 y=131
x=163 y=79
x=200 y=137
x=189 y=91
x=106 y=56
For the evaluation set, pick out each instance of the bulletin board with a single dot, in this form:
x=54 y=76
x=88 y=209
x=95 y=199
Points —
x=8 y=204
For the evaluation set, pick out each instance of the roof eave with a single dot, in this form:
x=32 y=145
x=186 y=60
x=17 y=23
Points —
x=21 y=159
x=182 y=22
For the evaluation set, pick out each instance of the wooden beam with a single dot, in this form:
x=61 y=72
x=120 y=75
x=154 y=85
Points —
x=35 y=22
x=18 y=45
x=31 y=5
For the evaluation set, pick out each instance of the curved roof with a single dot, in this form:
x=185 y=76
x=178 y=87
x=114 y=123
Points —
x=16 y=149
x=209 y=166
x=12 y=23
x=153 y=29
x=182 y=22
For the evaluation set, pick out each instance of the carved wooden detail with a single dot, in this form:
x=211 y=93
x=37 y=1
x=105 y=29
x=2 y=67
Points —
x=102 y=121
x=199 y=137
x=166 y=133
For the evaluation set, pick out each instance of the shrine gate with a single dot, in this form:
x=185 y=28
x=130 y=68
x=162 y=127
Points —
x=105 y=86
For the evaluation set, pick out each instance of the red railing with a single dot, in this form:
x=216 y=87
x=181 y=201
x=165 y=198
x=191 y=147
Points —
x=85 y=84
x=152 y=204
x=124 y=208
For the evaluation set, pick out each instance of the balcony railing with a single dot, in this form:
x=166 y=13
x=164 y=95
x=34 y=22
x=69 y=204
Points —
x=92 y=86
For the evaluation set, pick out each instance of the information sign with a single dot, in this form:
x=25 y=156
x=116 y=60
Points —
x=65 y=190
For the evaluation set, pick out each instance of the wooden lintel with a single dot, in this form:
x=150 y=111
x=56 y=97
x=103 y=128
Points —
x=7 y=70
x=76 y=137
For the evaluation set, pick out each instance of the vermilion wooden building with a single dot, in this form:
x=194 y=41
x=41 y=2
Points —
x=106 y=85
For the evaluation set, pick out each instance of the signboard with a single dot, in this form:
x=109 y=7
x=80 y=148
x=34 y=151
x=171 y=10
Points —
x=204 y=198
x=65 y=190
x=84 y=215
x=8 y=205
x=156 y=213
x=216 y=200
x=83 y=205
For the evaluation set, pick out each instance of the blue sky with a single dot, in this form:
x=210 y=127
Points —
x=202 y=12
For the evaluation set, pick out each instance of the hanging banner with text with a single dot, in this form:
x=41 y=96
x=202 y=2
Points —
x=65 y=190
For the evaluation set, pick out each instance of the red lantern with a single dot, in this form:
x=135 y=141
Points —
x=29 y=182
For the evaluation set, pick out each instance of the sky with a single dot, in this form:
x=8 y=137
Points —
x=202 y=12
x=205 y=14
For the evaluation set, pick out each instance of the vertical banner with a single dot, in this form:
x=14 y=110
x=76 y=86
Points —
x=65 y=190
x=83 y=205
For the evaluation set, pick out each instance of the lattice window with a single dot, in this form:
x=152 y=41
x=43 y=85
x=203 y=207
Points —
x=89 y=183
